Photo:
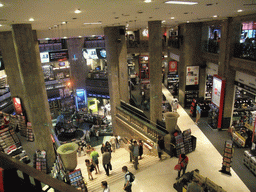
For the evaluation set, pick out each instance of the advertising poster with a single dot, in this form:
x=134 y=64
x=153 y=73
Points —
x=44 y=57
x=192 y=76
x=173 y=66
x=216 y=91
x=17 y=105
x=80 y=98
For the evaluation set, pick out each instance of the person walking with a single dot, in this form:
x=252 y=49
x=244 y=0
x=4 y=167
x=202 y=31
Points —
x=113 y=143
x=94 y=156
x=127 y=179
x=103 y=147
x=97 y=134
x=183 y=161
x=140 y=149
x=108 y=146
x=160 y=146
x=136 y=154
x=89 y=168
x=117 y=142
x=198 y=113
x=131 y=150
x=106 y=161
x=105 y=186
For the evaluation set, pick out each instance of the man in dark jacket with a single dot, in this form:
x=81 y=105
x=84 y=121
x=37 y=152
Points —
x=106 y=161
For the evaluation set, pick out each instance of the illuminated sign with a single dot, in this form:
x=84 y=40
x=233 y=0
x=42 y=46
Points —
x=44 y=57
x=216 y=91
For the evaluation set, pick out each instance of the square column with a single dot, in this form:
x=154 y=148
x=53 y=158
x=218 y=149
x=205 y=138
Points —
x=155 y=70
x=27 y=82
x=117 y=68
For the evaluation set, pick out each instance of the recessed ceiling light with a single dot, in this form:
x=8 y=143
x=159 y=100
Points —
x=64 y=37
x=31 y=19
x=240 y=10
x=181 y=2
x=163 y=21
x=1 y=25
x=63 y=22
x=172 y=17
x=77 y=11
x=80 y=36
x=1 y=4
x=147 y=1
x=187 y=21
x=97 y=23
x=215 y=15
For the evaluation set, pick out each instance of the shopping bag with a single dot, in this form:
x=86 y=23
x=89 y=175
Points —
x=177 y=167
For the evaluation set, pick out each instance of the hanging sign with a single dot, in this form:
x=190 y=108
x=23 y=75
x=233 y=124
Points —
x=173 y=66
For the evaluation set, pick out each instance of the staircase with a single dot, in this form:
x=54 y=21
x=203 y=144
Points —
x=120 y=158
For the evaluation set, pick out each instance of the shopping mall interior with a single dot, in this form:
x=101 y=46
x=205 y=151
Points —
x=136 y=83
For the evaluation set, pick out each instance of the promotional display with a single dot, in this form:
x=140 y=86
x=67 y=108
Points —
x=58 y=56
x=93 y=105
x=17 y=105
x=173 y=67
x=80 y=98
x=44 y=57
x=97 y=53
x=227 y=157
x=192 y=76
x=216 y=108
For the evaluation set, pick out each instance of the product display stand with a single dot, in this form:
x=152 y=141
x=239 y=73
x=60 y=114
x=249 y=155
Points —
x=9 y=141
x=22 y=125
x=58 y=171
x=250 y=161
x=227 y=157
x=76 y=180
x=185 y=143
x=40 y=161
x=30 y=134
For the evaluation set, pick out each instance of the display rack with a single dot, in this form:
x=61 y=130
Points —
x=227 y=157
x=9 y=141
x=250 y=161
x=173 y=84
x=77 y=180
x=213 y=116
x=189 y=96
x=30 y=134
x=185 y=143
x=58 y=171
x=22 y=125
x=40 y=161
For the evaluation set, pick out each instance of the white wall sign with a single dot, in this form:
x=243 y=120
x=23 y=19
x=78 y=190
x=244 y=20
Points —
x=216 y=91
x=192 y=76
x=44 y=56
x=246 y=79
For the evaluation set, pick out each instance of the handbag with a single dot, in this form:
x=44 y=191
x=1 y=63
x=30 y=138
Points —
x=177 y=167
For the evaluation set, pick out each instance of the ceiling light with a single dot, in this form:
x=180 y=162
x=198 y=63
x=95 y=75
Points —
x=163 y=21
x=215 y=15
x=172 y=17
x=181 y=2
x=31 y=19
x=187 y=21
x=80 y=36
x=147 y=1
x=240 y=10
x=78 y=11
x=63 y=22
x=1 y=25
x=1 y=4
x=64 y=37
x=98 y=23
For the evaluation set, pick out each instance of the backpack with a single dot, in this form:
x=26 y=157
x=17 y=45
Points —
x=92 y=167
x=132 y=177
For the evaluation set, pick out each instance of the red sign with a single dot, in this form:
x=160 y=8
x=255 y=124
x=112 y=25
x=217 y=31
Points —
x=17 y=105
x=173 y=66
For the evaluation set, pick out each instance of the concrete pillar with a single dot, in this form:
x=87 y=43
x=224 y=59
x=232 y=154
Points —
x=27 y=61
x=77 y=63
x=226 y=72
x=190 y=54
x=117 y=68
x=155 y=69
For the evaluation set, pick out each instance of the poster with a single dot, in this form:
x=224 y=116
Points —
x=216 y=91
x=192 y=76
x=173 y=66
x=80 y=98
x=17 y=105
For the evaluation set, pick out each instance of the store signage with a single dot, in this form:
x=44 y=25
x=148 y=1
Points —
x=58 y=56
x=173 y=66
x=17 y=105
x=246 y=79
x=44 y=56
x=216 y=91
x=250 y=89
x=94 y=53
x=192 y=76
x=80 y=98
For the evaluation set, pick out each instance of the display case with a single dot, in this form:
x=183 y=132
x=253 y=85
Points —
x=40 y=161
x=77 y=180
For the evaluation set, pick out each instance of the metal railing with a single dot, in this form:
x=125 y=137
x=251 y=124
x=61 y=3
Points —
x=140 y=125
x=19 y=176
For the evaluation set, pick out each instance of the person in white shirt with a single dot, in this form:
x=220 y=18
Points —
x=113 y=143
x=105 y=187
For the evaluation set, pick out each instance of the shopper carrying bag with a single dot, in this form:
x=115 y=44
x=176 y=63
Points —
x=182 y=165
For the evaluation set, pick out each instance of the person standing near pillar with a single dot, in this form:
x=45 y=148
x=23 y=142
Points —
x=136 y=154
x=198 y=113
x=131 y=147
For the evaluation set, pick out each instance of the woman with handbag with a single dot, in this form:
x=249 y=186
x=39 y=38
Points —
x=183 y=162
x=90 y=168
